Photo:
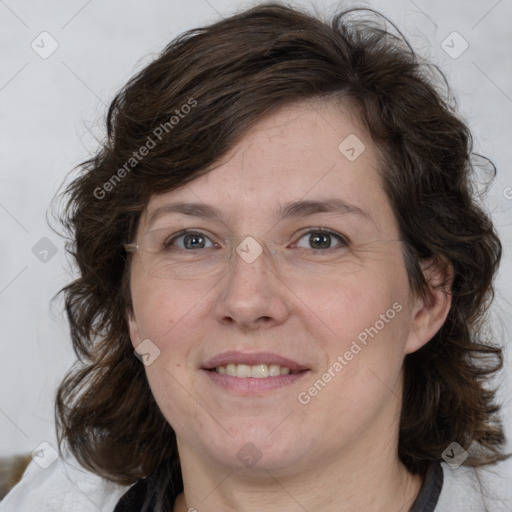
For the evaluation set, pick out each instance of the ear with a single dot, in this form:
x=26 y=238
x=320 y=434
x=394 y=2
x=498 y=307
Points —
x=132 y=327
x=429 y=313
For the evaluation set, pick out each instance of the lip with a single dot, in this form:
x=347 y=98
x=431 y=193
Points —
x=235 y=357
x=251 y=385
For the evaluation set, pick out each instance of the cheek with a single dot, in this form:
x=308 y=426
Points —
x=164 y=309
x=362 y=323
x=362 y=375
x=169 y=315
x=175 y=397
x=352 y=303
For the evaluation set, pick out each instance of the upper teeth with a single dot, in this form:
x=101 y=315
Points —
x=257 y=371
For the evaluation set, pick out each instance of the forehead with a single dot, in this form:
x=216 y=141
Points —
x=306 y=151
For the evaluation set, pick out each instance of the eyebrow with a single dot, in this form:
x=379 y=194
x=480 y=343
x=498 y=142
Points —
x=295 y=209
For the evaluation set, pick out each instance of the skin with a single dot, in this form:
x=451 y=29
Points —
x=338 y=451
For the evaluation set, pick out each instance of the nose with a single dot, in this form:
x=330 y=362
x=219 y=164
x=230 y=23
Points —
x=251 y=294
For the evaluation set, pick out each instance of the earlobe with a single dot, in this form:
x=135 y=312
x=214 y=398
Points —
x=132 y=327
x=430 y=312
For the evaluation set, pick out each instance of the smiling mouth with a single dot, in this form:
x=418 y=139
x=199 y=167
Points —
x=256 y=371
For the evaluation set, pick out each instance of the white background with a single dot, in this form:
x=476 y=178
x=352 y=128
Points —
x=49 y=107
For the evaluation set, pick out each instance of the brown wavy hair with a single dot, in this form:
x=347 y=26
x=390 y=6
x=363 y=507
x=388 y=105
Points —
x=230 y=74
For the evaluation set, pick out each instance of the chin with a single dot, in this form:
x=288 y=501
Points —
x=258 y=451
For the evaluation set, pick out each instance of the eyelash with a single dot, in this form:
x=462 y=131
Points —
x=344 y=242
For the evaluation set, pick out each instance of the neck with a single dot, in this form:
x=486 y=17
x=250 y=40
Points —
x=361 y=473
x=376 y=483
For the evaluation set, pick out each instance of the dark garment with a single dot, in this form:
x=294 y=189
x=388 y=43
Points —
x=133 y=500
x=142 y=496
x=430 y=491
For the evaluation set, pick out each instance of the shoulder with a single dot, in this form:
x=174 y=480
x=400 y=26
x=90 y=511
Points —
x=476 y=490
x=52 y=484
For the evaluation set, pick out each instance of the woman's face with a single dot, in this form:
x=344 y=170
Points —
x=335 y=310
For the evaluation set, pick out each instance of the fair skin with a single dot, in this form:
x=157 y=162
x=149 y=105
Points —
x=338 y=451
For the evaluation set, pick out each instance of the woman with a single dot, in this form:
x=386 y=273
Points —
x=281 y=228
